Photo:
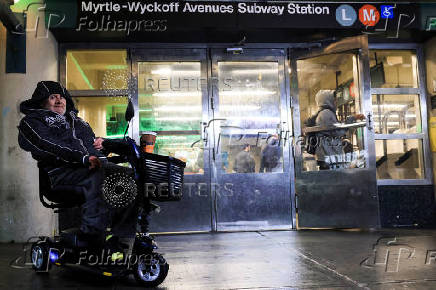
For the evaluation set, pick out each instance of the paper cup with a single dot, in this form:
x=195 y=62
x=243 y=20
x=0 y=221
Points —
x=148 y=139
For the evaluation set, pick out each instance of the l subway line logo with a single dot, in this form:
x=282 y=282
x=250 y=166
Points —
x=369 y=15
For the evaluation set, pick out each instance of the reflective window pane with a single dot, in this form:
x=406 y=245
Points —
x=169 y=96
x=249 y=94
x=399 y=159
x=396 y=114
x=170 y=104
x=250 y=153
x=393 y=69
x=329 y=107
x=97 y=70
x=187 y=148
x=249 y=104
x=95 y=110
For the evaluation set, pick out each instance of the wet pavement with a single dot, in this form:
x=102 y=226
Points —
x=385 y=259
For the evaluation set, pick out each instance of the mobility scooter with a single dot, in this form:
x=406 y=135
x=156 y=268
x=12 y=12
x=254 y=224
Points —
x=155 y=177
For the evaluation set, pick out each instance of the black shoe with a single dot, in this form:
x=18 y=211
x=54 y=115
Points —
x=115 y=248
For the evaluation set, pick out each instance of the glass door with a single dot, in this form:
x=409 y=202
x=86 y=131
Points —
x=251 y=157
x=334 y=149
x=172 y=100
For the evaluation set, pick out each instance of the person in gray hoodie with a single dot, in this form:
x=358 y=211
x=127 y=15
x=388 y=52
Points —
x=330 y=153
x=330 y=141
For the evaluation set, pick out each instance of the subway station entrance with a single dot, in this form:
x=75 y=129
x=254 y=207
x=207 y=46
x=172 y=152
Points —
x=237 y=117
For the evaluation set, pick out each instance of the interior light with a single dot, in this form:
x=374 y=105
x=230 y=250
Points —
x=179 y=119
x=235 y=118
x=254 y=118
x=395 y=116
x=394 y=60
x=199 y=108
x=168 y=71
x=172 y=137
x=391 y=106
x=161 y=71
x=222 y=93
x=16 y=1
x=239 y=108
x=116 y=66
x=178 y=109
x=253 y=71
x=247 y=93
x=178 y=94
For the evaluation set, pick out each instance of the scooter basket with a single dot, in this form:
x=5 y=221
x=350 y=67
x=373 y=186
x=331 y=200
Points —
x=163 y=177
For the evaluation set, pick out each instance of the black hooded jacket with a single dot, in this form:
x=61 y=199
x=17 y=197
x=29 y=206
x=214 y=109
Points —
x=55 y=140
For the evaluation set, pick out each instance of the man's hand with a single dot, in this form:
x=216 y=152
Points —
x=359 y=117
x=98 y=143
x=95 y=162
x=354 y=118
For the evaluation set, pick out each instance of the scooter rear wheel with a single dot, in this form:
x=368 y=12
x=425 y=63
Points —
x=151 y=270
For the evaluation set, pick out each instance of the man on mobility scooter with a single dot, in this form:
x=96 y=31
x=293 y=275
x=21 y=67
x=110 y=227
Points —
x=66 y=150
x=73 y=171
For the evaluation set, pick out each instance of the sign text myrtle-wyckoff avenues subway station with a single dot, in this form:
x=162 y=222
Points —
x=190 y=7
x=155 y=16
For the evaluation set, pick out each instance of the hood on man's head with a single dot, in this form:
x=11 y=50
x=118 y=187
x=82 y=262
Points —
x=325 y=98
x=43 y=90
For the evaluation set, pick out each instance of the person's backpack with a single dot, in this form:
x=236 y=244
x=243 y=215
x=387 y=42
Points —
x=271 y=156
x=312 y=141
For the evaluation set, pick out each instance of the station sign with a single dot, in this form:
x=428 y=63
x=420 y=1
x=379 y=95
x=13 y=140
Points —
x=138 y=17
x=148 y=16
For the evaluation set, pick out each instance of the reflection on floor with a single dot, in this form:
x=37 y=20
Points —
x=387 y=259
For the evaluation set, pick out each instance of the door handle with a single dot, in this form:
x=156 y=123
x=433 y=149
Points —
x=369 y=118
x=204 y=132
x=282 y=133
x=281 y=127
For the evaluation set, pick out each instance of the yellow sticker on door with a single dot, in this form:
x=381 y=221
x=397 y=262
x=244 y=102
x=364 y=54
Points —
x=432 y=133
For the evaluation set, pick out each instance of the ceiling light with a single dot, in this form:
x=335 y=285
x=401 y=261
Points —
x=394 y=60
x=168 y=71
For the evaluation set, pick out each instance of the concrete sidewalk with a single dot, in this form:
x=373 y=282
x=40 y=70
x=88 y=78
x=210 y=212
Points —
x=387 y=259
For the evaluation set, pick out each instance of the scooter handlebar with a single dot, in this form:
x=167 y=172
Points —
x=117 y=146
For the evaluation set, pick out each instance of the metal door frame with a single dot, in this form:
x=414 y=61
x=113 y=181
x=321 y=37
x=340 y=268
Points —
x=357 y=44
x=360 y=44
x=176 y=55
x=257 y=55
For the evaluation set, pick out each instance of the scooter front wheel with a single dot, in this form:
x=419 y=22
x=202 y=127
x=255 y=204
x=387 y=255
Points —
x=39 y=256
x=151 y=270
